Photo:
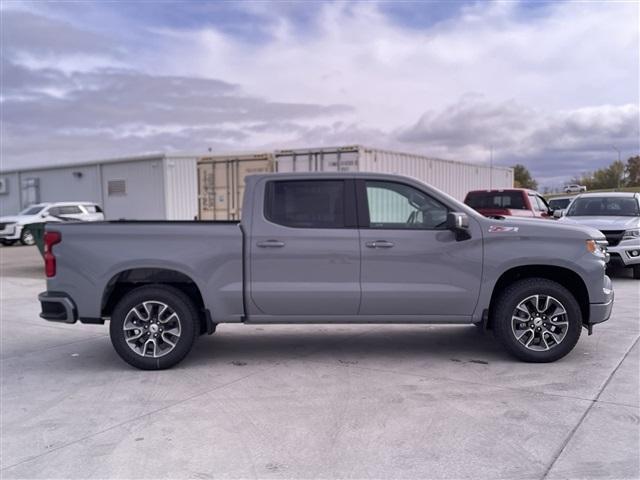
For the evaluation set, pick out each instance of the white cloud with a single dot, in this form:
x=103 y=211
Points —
x=553 y=88
x=577 y=54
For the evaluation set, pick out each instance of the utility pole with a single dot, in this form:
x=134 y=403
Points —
x=617 y=150
x=491 y=167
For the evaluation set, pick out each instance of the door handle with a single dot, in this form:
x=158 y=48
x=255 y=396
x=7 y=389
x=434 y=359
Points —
x=380 y=244
x=271 y=244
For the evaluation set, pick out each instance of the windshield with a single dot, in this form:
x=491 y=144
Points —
x=559 y=203
x=32 y=210
x=495 y=200
x=604 y=207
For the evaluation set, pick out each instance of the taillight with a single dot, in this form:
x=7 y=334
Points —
x=50 y=239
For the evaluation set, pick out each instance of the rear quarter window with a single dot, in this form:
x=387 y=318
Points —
x=92 y=208
x=488 y=200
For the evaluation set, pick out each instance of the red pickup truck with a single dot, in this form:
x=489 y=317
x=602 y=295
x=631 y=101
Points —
x=517 y=202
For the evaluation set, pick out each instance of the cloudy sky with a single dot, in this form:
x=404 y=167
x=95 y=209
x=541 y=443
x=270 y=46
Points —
x=553 y=85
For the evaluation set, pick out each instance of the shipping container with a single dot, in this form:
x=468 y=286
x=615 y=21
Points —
x=453 y=177
x=221 y=183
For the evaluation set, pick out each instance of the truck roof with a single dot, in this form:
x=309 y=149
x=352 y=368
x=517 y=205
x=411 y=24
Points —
x=609 y=194
x=501 y=190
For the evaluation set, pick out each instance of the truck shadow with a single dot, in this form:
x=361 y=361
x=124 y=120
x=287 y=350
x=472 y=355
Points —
x=348 y=346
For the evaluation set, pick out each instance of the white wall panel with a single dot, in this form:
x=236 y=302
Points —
x=452 y=177
x=181 y=188
x=10 y=199
x=144 y=197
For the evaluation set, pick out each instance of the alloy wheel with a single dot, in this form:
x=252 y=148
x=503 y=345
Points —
x=540 y=322
x=152 y=329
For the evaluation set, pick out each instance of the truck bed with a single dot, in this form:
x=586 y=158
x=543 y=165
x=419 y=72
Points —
x=91 y=255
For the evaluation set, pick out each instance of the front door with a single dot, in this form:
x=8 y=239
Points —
x=304 y=251
x=411 y=264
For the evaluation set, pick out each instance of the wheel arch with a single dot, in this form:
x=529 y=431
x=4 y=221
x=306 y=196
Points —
x=126 y=280
x=561 y=275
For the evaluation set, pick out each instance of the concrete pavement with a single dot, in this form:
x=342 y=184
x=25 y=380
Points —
x=313 y=401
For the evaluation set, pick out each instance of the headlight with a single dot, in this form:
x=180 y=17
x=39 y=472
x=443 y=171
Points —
x=597 y=247
x=631 y=234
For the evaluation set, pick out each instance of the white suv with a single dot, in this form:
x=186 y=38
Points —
x=617 y=216
x=573 y=188
x=12 y=228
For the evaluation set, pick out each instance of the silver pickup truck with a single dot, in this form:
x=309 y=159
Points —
x=330 y=248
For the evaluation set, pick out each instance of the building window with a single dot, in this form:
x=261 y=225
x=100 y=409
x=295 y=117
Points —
x=116 y=188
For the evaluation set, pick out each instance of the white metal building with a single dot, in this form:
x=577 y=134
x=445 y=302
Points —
x=154 y=186
x=453 y=177
x=210 y=187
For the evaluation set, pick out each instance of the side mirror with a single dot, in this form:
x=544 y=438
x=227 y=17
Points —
x=43 y=215
x=458 y=223
x=558 y=213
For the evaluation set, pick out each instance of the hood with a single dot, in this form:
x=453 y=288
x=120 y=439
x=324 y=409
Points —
x=603 y=223
x=22 y=219
x=543 y=227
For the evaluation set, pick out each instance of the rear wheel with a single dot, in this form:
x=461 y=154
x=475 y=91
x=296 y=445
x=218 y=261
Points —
x=26 y=237
x=154 y=327
x=537 y=320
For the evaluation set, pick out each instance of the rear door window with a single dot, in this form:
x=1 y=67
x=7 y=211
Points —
x=308 y=204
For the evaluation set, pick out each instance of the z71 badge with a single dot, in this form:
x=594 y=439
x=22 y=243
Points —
x=502 y=229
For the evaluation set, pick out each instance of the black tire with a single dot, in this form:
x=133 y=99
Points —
x=27 y=238
x=7 y=243
x=176 y=300
x=506 y=305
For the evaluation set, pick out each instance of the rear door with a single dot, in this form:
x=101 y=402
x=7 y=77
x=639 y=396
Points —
x=411 y=264
x=304 y=248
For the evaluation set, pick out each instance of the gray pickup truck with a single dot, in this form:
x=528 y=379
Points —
x=329 y=248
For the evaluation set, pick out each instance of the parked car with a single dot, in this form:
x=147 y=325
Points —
x=560 y=203
x=617 y=216
x=336 y=248
x=516 y=202
x=12 y=229
x=574 y=188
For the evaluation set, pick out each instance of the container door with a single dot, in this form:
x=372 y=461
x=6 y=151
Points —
x=304 y=251
x=206 y=192
x=244 y=168
x=221 y=185
x=411 y=265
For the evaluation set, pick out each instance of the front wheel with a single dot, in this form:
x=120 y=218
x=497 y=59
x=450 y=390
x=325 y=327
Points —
x=27 y=238
x=537 y=320
x=154 y=327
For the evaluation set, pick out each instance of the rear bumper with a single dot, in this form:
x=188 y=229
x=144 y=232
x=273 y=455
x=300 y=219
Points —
x=57 y=307
x=600 y=312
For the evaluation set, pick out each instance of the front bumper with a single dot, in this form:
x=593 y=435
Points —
x=11 y=232
x=600 y=312
x=625 y=254
x=58 y=307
